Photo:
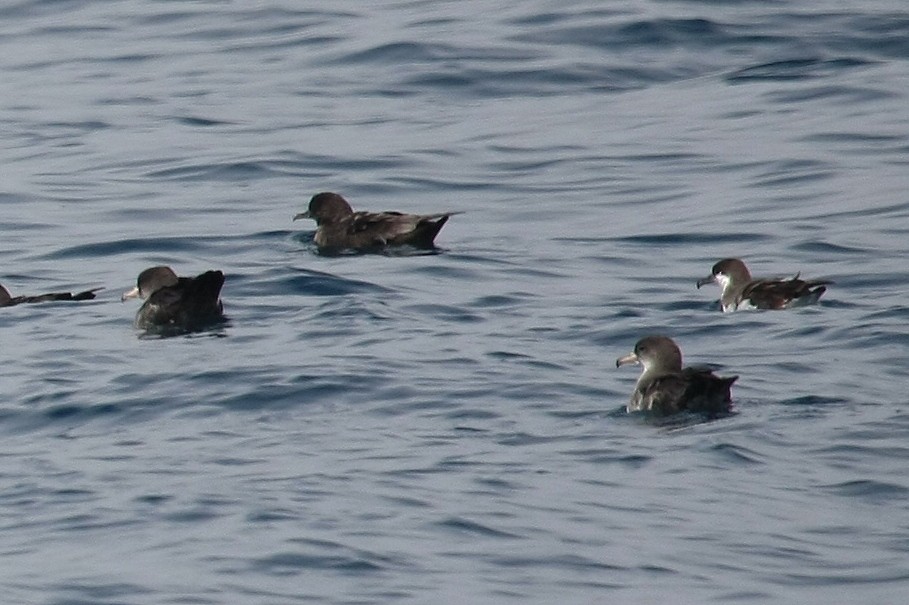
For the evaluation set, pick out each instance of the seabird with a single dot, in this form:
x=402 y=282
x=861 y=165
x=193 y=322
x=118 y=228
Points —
x=184 y=303
x=6 y=300
x=741 y=291
x=339 y=227
x=665 y=388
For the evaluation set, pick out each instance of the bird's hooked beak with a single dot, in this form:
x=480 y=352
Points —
x=303 y=215
x=706 y=280
x=627 y=359
x=134 y=293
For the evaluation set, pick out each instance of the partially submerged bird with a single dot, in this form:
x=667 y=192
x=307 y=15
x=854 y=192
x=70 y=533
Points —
x=339 y=227
x=741 y=291
x=183 y=303
x=665 y=388
x=6 y=300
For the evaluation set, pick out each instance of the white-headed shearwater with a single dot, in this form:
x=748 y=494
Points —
x=741 y=291
x=184 y=303
x=665 y=388
x=338 y=227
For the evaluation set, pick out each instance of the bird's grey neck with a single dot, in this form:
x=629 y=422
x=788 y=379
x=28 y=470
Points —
x=636 y=403
x=732 y=292
x=731 y=298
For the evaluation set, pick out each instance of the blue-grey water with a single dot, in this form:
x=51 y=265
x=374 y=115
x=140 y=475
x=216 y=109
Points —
x=450 y=427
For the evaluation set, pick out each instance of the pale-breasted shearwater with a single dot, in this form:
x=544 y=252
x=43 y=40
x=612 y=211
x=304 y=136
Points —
x=338 y=227
x=664 y=387
x=6 y=300
x=741 y=291
x=183 y=303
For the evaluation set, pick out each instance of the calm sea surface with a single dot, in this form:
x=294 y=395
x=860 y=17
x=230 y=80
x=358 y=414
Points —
x=450 y=428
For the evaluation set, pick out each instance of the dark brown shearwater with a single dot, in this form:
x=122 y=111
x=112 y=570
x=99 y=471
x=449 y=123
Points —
x=338 y=227
x=665 y=388
x=741 y=291
x=177 y=302
x=6 y=300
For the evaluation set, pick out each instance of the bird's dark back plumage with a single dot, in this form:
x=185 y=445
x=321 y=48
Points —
x=8 y=301
x=693 y=390
x=781 y=293
x=190 y=303
x=665 y=387
x=741 y=291
x=339 y=227
x=706 y=392
x=426 y=230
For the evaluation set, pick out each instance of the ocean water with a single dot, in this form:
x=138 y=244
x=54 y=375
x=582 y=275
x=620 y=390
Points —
x=450 y=427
